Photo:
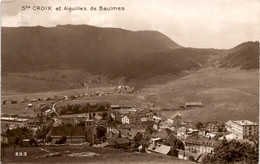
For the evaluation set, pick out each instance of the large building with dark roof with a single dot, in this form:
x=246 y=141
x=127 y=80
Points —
x=201 y=145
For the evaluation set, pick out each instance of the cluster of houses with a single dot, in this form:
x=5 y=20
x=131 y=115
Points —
x=137 y=130
x=124 y=89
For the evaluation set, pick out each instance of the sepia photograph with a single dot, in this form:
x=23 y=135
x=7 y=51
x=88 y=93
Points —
x=130 y=81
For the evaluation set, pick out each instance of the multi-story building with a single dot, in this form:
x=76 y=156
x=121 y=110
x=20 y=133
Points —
x=242 y=129
x=200 y=145
x=212 y=127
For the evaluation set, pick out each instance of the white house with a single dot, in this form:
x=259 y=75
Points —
x=125 y=120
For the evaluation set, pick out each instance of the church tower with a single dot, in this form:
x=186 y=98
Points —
x=90 y=129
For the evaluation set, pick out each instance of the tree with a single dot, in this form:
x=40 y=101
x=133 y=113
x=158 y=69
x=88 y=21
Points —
x=33 y=142
x=233 y=152
x=17 y=140
x=101 y=132
x=198 y=125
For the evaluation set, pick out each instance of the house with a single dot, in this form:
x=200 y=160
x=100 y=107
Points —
x=30 y=105
x=147 y=134
x=113 y=116
x=228 y=137
x=33 y=100
x=242 y=129
x=143 y=119
x=115 y=107
x=111 y=135
x=139 y=128
x=124 y=132
x=156 y=118
x=122 y=143
x=74 y=134
x=169 y=122
x=193 y=105
x=200 y=145
x=103 y=123
x=228 y=125
x=161 y=149
x=185 y=131
x=134 y=136
x=25 y=142
x=112 y=128
x=185 y=155
x=111 y=143
x=34 y=123
x=10 y=122
x=170 y=139
x=126 y=119
x=163 y=134
x=177 y=121
x=212 y=127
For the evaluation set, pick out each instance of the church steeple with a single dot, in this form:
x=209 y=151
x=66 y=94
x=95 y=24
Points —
x=90 y=129
x=89 y=117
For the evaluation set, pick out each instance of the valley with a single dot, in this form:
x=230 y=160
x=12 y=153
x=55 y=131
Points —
x=163 y=73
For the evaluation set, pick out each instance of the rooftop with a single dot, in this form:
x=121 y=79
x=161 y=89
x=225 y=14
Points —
x=245 y=122
x=202 y=141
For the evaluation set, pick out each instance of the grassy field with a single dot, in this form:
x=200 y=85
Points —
x=225 y=93
x=53 y=80
x=105 y=155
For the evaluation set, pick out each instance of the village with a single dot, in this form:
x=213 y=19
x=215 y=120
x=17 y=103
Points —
x=131 y=129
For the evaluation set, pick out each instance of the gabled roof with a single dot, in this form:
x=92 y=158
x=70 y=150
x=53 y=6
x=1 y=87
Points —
x=131 y=135
x=139 y=127
x=111 y=142
x=202 y=141
x=160 y=134
x=212 y=123
x=68 y=131
x=113 y=125
x=112 y=135
x=162 y=149
x=122 y=140
x=228 y=123
x=102 y=122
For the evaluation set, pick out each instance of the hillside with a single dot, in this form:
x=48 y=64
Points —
x=225 y=93
x=245 y=55
x=108 y=51
x=97 y=50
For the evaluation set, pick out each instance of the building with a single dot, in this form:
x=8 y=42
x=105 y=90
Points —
x=112 y=128
x=11 y=123
x=184 y=132
x=242 y=129
x=163 y=134
x=139 y=128
x=74 y=134
x=122 y=143
x=200 y=145
x=193 y=105
x=126 y=119
x=103 y=123
x=212 y=127
x=90 y=129
x=177 y=121
x=161 y=149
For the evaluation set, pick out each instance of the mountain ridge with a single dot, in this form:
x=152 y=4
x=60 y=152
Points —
x=98 y=50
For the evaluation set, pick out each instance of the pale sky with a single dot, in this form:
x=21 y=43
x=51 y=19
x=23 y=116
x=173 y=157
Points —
x=190 y=23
